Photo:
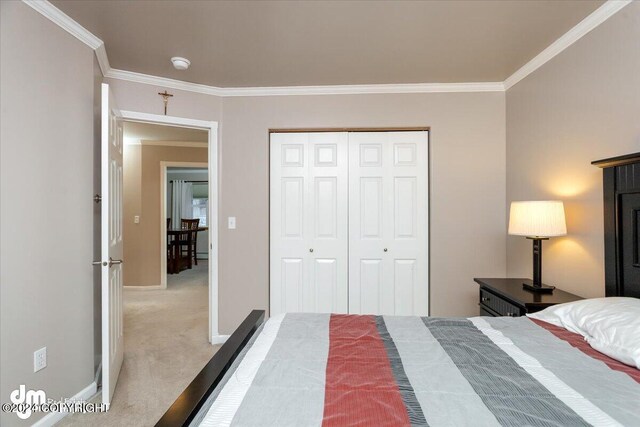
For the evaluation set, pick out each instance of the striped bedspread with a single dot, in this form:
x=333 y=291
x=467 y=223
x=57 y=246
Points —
x=346 y=370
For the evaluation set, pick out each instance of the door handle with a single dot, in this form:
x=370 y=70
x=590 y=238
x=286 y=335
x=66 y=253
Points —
x=385 y=249
x=311 y=250
x=110 y=263
x=114 y=261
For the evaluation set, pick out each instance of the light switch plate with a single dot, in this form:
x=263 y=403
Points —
x=40 y=359
x=232 y=223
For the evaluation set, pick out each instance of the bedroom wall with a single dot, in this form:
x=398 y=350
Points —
x=581 y=106
x=466 y=175
x=467 y=180
x=46 y=238
x=142 y=197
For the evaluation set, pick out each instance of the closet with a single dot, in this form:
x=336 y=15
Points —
x=349 y=222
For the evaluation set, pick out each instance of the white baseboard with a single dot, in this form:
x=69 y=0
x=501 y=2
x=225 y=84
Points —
x=144 y=288
x=219 y=339
x=54 y=417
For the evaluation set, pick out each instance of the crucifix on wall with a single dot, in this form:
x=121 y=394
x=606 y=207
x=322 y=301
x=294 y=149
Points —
x=165 y=98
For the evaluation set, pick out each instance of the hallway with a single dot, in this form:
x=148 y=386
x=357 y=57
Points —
x=165 y=347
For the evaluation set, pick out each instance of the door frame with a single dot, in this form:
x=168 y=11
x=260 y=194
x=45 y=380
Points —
x=212 y=128
x=357 y=129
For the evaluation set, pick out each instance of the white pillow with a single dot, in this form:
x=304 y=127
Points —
x=610 y=325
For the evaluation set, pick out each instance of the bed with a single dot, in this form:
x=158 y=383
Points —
x=339 y=370
x=366 y=370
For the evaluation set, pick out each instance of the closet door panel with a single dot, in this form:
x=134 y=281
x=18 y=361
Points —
x=369 y=289
x=292 y=216
x=367 y=218
x=292 y=272
x=370 y=208
x=404 y=283
x=405 y=207
x=325 y=278
x=328 y=246
x=388 y=222
x=288 y=199
x=308 y=226
x=326 y=207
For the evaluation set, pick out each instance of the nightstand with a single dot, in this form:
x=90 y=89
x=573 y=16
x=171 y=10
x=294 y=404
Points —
x=506 y=297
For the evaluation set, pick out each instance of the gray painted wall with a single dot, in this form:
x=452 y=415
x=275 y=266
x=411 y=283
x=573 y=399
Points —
x=467 y=194
x=46 y=243
x=467 y=180
x=583 y=105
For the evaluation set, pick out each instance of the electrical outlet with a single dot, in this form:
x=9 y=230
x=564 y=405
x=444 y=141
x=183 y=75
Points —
x=40 y=359
x=136 y=219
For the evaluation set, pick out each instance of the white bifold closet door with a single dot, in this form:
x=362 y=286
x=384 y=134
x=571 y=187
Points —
x=388 y=223
x=349 y=222
x=308 y=216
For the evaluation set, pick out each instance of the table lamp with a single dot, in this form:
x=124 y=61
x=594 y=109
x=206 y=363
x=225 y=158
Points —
x=537 y=220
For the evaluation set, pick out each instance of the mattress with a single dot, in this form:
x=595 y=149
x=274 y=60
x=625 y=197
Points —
x=347 y=370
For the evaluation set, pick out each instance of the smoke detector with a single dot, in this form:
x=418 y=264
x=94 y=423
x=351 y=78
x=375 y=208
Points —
x=180 y=63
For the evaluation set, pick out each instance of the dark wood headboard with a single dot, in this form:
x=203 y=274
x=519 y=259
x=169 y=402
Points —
x=621 y=179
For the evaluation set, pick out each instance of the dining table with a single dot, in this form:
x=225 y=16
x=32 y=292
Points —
x=176 y=262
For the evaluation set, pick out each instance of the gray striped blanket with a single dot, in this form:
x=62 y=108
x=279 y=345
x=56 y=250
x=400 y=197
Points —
x=346 y=370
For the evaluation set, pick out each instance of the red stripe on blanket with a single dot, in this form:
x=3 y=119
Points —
x=579 y=342
x=360 y=387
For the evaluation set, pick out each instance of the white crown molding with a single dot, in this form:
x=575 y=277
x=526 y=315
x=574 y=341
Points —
x=103 y=60
x=365 y=89
x=604 y=12
x=305 y=90
x=65 y=22
x=163 y=82
x=184 y=144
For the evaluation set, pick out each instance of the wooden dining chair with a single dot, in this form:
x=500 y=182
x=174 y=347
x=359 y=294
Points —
x=170 y=250
x=190 y=239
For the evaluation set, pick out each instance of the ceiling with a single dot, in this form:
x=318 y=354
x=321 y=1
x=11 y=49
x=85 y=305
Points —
x=287 y=43
x=152 y=132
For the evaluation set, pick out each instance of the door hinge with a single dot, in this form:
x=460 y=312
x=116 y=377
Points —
x=97 y=198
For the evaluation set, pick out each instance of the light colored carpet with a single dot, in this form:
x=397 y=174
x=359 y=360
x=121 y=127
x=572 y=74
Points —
x=165 y=346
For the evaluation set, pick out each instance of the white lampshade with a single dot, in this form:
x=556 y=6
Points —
x=537 y=219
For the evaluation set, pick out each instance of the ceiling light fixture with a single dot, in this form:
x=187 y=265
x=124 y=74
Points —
x=180 y=63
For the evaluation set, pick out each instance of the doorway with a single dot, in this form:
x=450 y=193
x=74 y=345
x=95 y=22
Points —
x=112 y=226
x=165 y=319
x=211 y=163
x=184 y=200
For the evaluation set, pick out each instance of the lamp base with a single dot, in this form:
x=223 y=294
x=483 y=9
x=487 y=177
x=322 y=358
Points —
x=547 y=289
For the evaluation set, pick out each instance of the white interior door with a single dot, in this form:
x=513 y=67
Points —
x=308 y=222
x=388 y=223
x=111 y=241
